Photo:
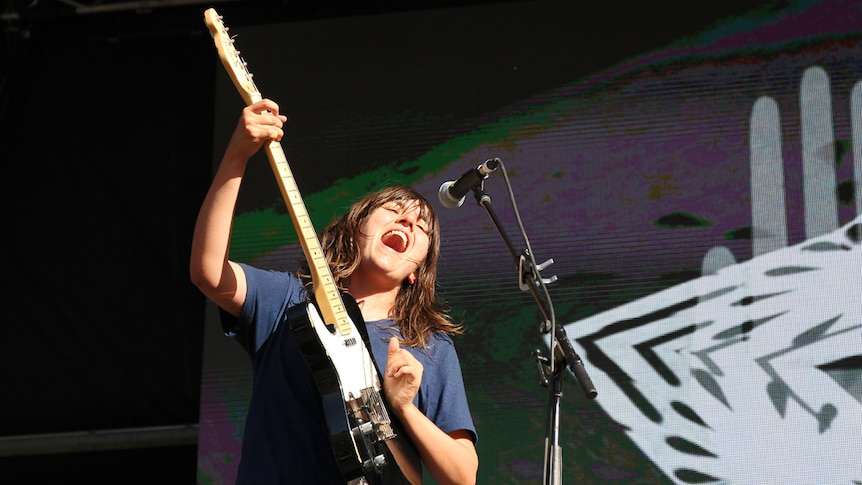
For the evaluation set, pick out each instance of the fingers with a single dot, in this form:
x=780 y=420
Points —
x=402 y=363
x=402 y=377
x=269 y=110
x=262 y=122
x=394 y=364
x=265 y=105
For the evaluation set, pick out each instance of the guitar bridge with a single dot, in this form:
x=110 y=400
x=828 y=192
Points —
x=371 y=415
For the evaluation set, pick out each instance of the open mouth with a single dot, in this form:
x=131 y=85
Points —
x=396 y=240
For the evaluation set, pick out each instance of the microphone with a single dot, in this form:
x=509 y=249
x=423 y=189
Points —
x=452 y=193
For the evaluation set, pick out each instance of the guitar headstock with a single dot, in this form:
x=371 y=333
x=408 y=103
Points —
x=236 y=66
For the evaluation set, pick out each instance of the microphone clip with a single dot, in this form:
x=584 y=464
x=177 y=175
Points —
x=527 y=273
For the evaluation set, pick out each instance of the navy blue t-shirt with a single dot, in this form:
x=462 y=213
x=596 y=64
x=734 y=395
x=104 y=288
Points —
x=286 y=437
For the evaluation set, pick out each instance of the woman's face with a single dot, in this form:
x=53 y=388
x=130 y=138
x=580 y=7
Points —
x=393 y=242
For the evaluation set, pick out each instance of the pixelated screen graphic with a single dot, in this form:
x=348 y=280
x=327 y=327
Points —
x=697 y=194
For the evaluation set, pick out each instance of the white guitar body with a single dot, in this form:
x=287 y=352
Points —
x=352 y=397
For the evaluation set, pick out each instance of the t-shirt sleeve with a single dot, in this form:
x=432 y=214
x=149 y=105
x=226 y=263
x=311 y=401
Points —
x=268 y=294
x=445 y=399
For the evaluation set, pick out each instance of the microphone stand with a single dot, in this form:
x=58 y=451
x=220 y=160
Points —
x=562 y=353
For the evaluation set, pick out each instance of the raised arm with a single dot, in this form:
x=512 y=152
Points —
x=219 y=279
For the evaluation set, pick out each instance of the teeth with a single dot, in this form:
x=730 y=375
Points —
x=389 y=240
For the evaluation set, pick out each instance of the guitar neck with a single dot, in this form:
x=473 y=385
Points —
x=326 y=292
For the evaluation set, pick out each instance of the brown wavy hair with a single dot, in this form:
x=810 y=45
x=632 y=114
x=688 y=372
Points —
x=417 y=311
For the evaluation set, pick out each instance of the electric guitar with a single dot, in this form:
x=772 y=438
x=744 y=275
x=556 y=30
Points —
x=368 y=445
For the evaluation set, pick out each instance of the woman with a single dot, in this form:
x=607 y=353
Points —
x=383 y=253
